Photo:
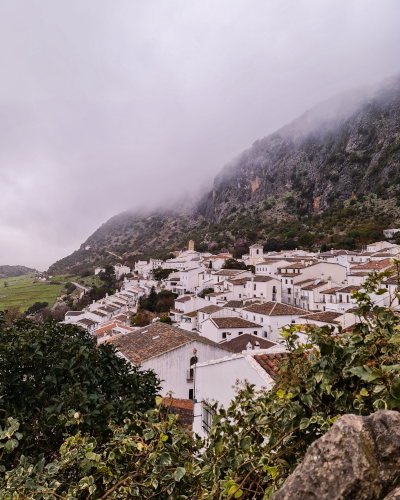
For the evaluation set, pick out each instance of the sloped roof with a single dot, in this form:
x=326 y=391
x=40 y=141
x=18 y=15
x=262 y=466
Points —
x=210 y=309
x=156 y=340
x=239 y=344
x=326 y=316
x=312 y=286
x=274 y=309
x=183 y=299
x=229 y=272
x=234 y=322
x=270 y=362
x=374 y=265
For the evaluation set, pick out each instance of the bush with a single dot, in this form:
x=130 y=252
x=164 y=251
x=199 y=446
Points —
x=49 y=370
x=166 y=319
x=36 y=307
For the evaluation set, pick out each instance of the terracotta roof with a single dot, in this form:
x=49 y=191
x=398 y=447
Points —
x=312 y=286
x=274 y=309
x=234 y=303
x=294 y=266
x=309 y=280
x=270 y=362
x=179 y=403
x=87 y=322
x=375 y=264
x=73 y=313
x=262 y=279
x=233 y=322
x=214 y=294
x=331 y=290
x=326 y=316
x=99 y=313
x=338 y=252
x=240 y=281
x=109 y=308
x=155 y=340
x=256 y=279
x=364 y=273
x=191 y=314
x=350 y=288
x=183 y=299
x=210 y=309
x=239 y=344
x=183 y=408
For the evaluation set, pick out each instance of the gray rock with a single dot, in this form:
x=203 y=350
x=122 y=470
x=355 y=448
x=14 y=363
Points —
x=359 y=458
x=394 y=495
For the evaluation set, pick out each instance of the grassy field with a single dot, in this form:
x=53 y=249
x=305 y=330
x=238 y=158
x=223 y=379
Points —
x=23 y=292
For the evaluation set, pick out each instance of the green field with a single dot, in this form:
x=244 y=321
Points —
x=22 y=291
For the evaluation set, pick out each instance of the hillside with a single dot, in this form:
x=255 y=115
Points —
x=13 y=271
x=332 y=173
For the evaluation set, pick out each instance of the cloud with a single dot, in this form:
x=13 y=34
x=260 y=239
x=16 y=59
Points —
x=110 y=105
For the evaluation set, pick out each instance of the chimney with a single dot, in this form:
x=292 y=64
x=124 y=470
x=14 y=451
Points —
x=94 y=301
x=302 y=262
x=249 y=347
x=322 y=276
x=106 y=295
x=329 y=282
x=331 y=250
x=257 y=345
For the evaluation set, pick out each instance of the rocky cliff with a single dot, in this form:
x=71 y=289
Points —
x=12 y=271
x=334 y=173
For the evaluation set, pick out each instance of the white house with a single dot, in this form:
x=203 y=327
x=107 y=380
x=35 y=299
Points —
x=258 y=367
x=272 y=316
x=256 y=286
x=219 y=329
x=338 y=299
x=171 y=352
x=120 y=270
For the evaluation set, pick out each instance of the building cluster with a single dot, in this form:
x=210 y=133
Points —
x=226 y=322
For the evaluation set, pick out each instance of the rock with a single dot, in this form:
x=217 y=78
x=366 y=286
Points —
x=359 y=458
x=394 y=495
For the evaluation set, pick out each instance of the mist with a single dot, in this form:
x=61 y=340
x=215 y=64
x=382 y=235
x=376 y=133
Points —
x=107 y=106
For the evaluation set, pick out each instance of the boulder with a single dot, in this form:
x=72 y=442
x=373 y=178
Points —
x=358 y=458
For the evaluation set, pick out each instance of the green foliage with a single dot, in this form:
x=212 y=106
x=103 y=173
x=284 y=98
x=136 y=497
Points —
x=234 y=264
x=70 y=287
x=47 y=370
x=157 y=302
x=36 y=307
x=162 y=274
x=166 y=319
x=306 y=239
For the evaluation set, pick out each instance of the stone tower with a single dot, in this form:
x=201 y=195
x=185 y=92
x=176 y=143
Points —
x=191 y=245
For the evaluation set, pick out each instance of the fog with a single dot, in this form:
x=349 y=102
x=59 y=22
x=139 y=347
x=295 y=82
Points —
x=107 y=105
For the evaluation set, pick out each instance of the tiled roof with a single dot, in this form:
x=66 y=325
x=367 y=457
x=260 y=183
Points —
x=338 y=252
x=87 y=322
x=233 y=322
x=73 y=313
x=240 y=281
x=262 y=279
x=374 y=265
x=239 y=344
x=331 y=291
x=350 y=288
x=256 y=279
x=274 y=309
x=312 y=286
x=234 y=303
x=364 y=273
x=109 y=308
x=326 y=316
x=182 y=407
x=210 y=309
x=191 y=314
x=183 y=299
x=155 y=340
x=215 y=294
x=270 y=362
x=99 y=313
x=309 y=280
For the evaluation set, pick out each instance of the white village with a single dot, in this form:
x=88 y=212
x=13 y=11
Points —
x=224 y=328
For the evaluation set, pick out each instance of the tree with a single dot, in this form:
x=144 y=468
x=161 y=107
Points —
x=108 y=276
x=36 y=307
x=306 y=239
x=166 y=319
x=234 y=264
x=48 y=370
x=6 y=284
x=162 y=274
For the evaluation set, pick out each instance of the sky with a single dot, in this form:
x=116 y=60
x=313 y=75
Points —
x=109 y=105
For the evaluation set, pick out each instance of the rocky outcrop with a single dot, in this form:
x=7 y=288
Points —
x=358 y=459
x=13 y=271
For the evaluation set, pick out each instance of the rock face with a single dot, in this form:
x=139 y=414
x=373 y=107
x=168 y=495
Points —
x=359 y=458
x=12 y=271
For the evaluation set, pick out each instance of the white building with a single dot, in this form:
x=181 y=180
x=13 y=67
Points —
x=171 y=352
x=121 y=270
x=220 y=329
x=253 y=366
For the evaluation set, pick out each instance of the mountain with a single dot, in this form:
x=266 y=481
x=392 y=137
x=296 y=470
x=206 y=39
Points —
x=12 y=271
x=333 y=174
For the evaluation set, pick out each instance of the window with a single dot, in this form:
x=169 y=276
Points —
x=247 y=316
x=274 y=289
x=340 y=298
x=240 y=295
x=288 y=300
x=293 y=321
x=258 y=251
x=193 y=360
x=285 y=282
x=348 y=298
x=240 y=333
x=255 y=332
x=254 y=318
x=265 y=335
x=291 y=281
x=190 y=393
x=203 y=315
x=255 y=287
x=207 y=417
x=289 y=291
x=224 y=335
x=261 y=319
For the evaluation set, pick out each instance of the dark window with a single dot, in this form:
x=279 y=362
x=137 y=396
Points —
x=193 y=360
x=240 y=333
x=224 y=335
x=190 y=393
x=255 y=287
x=255 y=333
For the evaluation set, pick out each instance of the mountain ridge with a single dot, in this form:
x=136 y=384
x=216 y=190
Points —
x=286 y=184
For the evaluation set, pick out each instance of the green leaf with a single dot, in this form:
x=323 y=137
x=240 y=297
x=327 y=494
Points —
x=245 y=443
x=179 y=473
x=268 y=492
x=306 y=399
x=364 y=392
x=395 y=388
x=149 y=435
x=238 y=494
x=165 y=458
x=304 y=423
x=280 y=394
x=219 y=446
x=159 y=400
x=360 y=372
x=391 y=368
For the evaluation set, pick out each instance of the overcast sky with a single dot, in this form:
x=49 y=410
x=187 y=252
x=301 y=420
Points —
x=110 y=104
